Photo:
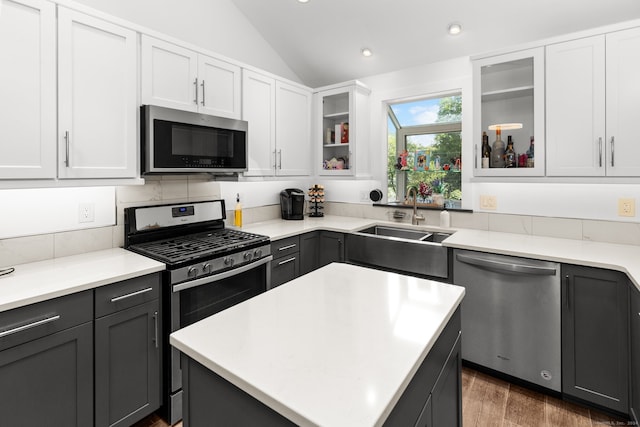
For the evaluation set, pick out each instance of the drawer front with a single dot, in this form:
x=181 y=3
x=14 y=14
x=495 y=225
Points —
x=284 y=269
x=128 y=293
x=34 y=321
x=284 y=247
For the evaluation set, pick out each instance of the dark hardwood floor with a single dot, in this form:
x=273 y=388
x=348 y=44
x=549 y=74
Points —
x=492 y=402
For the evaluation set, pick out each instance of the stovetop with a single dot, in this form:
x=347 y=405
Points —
x=210 y=244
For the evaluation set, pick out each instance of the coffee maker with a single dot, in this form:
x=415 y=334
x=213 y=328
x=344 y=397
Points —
x=292 y=203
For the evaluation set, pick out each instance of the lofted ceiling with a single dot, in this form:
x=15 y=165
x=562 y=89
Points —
x=321 y=40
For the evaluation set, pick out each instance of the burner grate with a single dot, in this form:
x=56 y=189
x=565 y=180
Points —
x=199 y=245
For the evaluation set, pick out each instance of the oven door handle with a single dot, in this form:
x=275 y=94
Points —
x=213 y=278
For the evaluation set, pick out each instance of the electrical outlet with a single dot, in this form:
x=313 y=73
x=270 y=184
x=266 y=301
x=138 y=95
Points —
x=489 y=203
x=627 y=207
x=86 y=212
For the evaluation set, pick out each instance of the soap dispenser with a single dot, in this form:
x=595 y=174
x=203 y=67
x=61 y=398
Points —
x=237 y=214
x=445 y=219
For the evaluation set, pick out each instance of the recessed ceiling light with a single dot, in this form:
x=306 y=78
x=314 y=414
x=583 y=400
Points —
x=366 y=52
x=303 y=1
x=455 y=29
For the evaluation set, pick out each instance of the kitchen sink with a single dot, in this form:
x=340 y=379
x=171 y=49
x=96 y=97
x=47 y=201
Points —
x=405 y=250
x=401 y=233
x=406 y=233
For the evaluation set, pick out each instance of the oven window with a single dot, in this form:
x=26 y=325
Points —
x=205 y=300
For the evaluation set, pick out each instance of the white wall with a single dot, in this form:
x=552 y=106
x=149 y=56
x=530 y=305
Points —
x=215 y=25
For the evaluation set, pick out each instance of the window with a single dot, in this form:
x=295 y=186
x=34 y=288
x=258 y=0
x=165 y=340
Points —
x=424 y=151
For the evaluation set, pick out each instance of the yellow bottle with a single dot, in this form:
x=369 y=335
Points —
x=237 y=215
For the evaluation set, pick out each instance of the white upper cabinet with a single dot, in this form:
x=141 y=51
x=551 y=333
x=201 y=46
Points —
x=576 y=107
x=259 y=110
x=28 y=89
x=176 y=77
x=342 y=124
x=623 y=103
x=509 y=89
x=593 y=106
x=97 y=108
x=293 y=129
x=279 y=117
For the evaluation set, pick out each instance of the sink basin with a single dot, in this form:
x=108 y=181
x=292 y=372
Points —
x=404 y=250
x=401 y=233
x=406 y=233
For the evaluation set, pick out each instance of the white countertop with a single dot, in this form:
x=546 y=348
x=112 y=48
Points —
x=279 y=229
x=337 y=346
x=611 y=256
x=43 y=280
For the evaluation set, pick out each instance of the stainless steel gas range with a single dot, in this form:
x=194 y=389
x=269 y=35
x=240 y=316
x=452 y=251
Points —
x=209 y=268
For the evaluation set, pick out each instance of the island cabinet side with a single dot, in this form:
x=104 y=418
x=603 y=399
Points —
x=209 y=399
x=434 y=395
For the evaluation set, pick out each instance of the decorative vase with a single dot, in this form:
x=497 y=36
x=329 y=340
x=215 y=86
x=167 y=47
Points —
x=438 y=199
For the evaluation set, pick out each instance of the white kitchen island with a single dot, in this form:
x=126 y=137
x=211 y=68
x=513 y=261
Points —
x=340 y=346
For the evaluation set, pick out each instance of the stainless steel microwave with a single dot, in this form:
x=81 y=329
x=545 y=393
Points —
x=175 y=141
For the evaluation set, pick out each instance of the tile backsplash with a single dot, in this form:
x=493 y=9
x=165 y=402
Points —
x=194 y=188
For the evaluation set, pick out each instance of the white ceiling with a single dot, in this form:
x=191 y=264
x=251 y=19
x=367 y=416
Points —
x=321 y=40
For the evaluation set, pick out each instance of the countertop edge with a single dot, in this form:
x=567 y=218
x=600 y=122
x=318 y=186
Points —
x=87 y=275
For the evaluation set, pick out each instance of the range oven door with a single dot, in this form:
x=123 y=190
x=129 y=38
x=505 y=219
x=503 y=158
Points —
x=200 y=298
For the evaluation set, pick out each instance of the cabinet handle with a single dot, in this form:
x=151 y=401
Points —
x=600 y=151
x=202 y=93
x=275 y=161
x=284 y=248
x=612 y=151
x=567 y=283
x=67 y=141
x=155 y=330
x=28 y=326
x=280 y=160
x=195 y=86
x=132 y=294
x=287 y=261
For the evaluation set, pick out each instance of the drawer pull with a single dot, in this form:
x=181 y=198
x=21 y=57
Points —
x=284 y=248
x=155 y=330
x=132 y=294
x=28 y=326
x=287 y=261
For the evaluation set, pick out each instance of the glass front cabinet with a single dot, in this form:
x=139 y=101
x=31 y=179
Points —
x=509 y=100
x=342 y=122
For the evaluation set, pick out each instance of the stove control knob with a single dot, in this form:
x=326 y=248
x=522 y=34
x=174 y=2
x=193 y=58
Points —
x=192 y=272
x=228 y=261
x=247 y=256
x=257 y=253
x=206 y=268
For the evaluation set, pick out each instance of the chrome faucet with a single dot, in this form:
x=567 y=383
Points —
x=415 y=218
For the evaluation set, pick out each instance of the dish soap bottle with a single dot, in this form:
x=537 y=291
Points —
x=237 y=215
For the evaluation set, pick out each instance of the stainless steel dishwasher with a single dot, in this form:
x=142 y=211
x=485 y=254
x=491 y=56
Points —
x=511 y=315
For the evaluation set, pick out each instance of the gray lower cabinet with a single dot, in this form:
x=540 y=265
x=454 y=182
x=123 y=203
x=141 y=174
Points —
x=634 y=321
x=286 y=260
x=595 y=339
x=298 y=255
x=309 y=252
x=127 y=351
x=331 y=247
x=46 y=363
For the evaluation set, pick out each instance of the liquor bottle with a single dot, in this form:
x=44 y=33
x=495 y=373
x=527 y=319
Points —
x=497 y=151
x=530 y=154
x=486 y=150
x=510 y=155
